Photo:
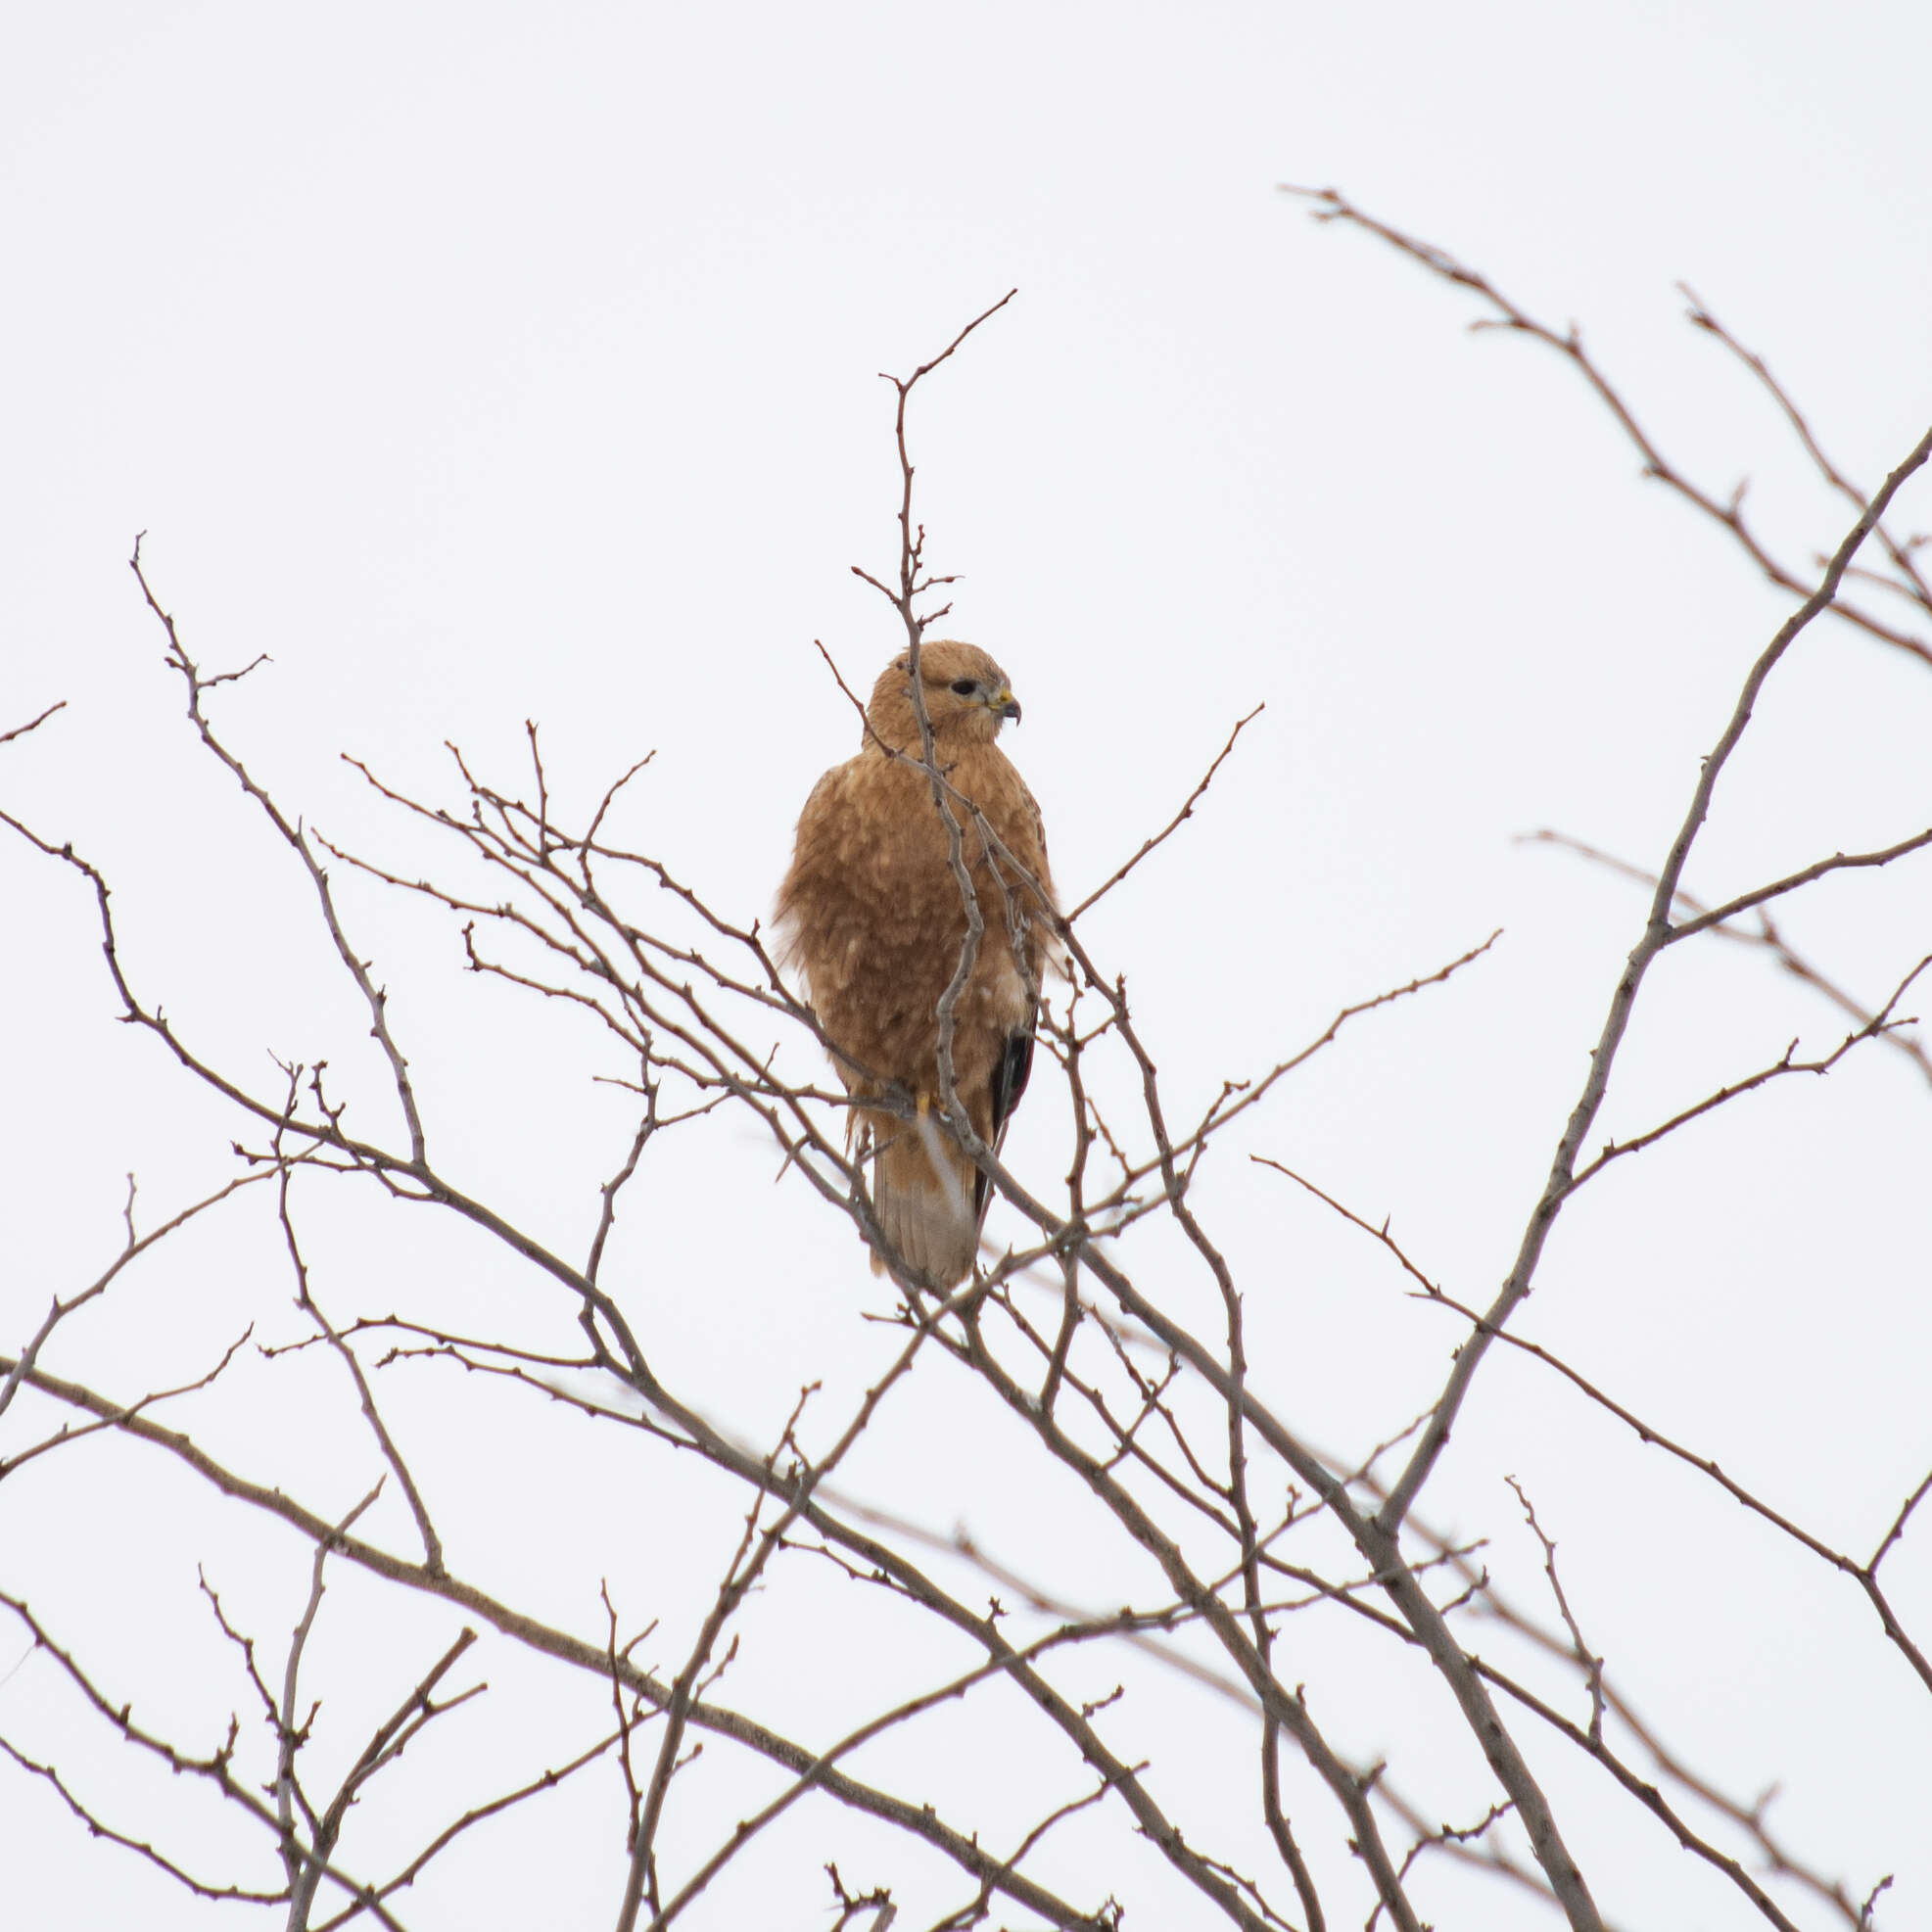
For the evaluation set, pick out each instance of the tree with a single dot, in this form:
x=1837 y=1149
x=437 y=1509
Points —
x=781 y=1674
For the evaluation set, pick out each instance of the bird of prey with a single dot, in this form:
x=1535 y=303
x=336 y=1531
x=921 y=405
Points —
x=872 y=914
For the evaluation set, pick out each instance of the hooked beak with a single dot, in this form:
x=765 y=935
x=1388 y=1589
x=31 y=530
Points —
x=1004 y=704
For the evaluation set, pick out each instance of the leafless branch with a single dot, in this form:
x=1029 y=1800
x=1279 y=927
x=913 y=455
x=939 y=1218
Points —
x=1765 y=935
x=1330 y=204
x=32 y=724
x=1655 y=936
x=1174 y=824
x=1127 y=1370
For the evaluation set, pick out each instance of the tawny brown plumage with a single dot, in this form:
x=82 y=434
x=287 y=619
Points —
x=871 y=913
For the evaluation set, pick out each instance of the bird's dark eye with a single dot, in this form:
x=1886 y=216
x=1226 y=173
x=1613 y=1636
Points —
x=965 y=686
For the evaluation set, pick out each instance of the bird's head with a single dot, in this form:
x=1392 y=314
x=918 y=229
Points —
x=967 y=698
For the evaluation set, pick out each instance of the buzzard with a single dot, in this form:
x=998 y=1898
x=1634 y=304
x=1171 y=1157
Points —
x=871 y=915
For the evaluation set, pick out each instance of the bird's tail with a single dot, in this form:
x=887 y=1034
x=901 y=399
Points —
x=922 y=1186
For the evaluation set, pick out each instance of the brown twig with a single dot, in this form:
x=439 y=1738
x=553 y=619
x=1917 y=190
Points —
x=32 y=724
x=1766 y=937
x=1174 y=824
x=1330 y=204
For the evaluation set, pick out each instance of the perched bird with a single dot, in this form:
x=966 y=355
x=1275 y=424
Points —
x=872 y=917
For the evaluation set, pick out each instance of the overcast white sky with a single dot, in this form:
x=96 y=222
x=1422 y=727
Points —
x=486 y=364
